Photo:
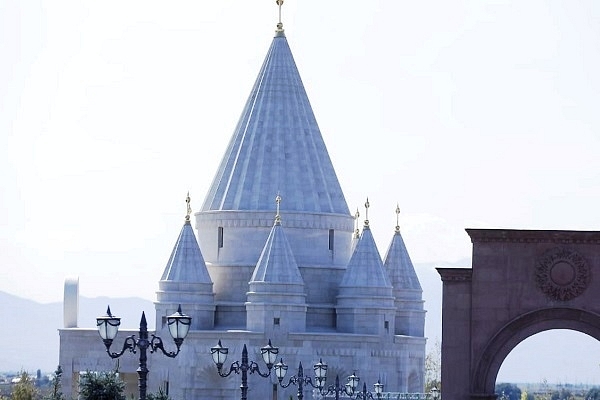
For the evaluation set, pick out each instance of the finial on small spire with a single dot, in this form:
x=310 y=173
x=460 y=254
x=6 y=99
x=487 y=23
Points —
x=189 y=208
x=367 y=205
x=356 y=231
x=397 y=218
x=279 y=24
x=277 y=216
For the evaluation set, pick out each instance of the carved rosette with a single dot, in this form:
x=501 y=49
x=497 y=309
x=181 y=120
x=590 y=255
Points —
x=562 y=274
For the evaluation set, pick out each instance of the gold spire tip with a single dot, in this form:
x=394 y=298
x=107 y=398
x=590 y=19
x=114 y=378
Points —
x=279 y=24
x=189 y=208
x=367 y=205
x=397 y=218
x=278 y=202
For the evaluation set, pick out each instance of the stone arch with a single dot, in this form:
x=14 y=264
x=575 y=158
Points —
x=521 y=282
x=519 y=329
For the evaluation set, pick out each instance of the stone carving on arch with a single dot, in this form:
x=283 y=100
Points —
x=519 y=329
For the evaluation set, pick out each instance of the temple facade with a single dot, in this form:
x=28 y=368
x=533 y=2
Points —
x=275 y=255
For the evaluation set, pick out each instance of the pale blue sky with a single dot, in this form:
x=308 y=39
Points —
x=466 y=113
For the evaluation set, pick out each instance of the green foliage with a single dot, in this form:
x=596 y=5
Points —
x=563 y=394
x=508 y=391
x=101 y=386
x=25 y=388
x=161 y=395
x=55 y=392
x=527 y=396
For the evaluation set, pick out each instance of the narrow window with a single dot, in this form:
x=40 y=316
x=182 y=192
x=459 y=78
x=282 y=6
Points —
x=386 y=325
x=331 y=235
x=275 y=321
x=220 y=237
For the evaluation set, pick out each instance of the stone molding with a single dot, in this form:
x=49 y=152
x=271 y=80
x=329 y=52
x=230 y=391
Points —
x=533 y=236
x=253 y=219
x=455 y=274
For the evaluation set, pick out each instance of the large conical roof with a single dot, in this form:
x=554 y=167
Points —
x=277 y=147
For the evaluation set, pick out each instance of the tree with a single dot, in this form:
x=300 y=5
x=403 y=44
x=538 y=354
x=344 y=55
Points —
x=101 y=386
x=433 y=367
x=55 y=392
x=593 y=394
x=508 y=391
x=25 y=388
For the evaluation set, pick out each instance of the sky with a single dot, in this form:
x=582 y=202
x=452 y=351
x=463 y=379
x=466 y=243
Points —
x=467 y=114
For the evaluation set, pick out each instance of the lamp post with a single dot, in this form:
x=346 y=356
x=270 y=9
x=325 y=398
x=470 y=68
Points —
x=348 y=389
x=300 y=380
x=108 y=327
x=364 y=395
x=219 y=355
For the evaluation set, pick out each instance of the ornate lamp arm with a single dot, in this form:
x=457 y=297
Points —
x=254 y=367
x=129 y=344
x=235 y=367
x=156 y=343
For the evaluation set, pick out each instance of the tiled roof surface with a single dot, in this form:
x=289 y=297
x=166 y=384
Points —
x=399 y=266
x=186 y=263
x=276 y=263
x=277 y=147
x=365 y=268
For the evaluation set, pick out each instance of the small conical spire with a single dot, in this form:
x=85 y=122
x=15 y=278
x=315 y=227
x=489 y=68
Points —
x=278 y=216
x=397 y=218
x=367 y=205
x=279 y=24
x=189 y=208
x=356 y=231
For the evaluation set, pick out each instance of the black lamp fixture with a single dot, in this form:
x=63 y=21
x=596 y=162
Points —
x=348 y=389
x=219 y=355
x=108 y=327
x=299 y=379
x=364 y=395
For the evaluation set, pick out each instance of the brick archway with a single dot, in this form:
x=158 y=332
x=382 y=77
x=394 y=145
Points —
x=521 y=283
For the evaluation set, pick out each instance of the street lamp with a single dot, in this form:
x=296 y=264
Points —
x=364 y=395
x=300 y=380
x=347 y=389
x=219 y=356
x=435 y=393
x=108 y=327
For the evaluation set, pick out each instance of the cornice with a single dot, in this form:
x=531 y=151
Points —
x=533 y=236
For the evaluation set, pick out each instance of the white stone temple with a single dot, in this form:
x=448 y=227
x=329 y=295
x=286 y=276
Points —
x=276 y=254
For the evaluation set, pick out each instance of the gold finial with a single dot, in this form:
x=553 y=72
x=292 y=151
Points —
x=397 y=218
x=277 y=216
x=279 y=24
x=189 y=208
x=356 y=231
x=367 y=205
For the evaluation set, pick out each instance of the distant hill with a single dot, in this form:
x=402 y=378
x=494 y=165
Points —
x=32 y=340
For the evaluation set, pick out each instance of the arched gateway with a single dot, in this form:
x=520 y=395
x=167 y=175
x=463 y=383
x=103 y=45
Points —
x=522 y=282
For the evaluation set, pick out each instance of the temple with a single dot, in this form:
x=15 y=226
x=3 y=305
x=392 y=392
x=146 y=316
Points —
x=276 y=254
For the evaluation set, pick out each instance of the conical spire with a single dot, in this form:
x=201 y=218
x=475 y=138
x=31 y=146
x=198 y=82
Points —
x=185 y=280
x=398 y=265
x=365 y=268
x=365 y=292
x=277 y=147
x=186 y=263
x=277 y=264
x=276 y=287
x=410 y=315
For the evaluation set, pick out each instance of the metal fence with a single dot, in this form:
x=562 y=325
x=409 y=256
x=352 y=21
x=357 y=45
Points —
x=393 y=396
